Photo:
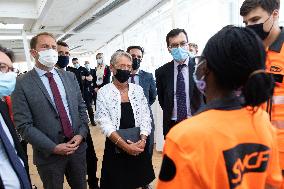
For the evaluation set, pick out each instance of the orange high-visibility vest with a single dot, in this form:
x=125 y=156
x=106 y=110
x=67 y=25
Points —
x=275 y=65
x=221 y=149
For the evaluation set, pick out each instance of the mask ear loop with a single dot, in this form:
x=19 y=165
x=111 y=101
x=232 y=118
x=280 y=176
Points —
x=271 y=25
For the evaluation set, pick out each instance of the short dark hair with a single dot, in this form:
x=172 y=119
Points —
x=62 y=43
x=99 y=54
x=33 y=41
x=8 y=52
x=235 y=55
x=175 y=32
x=267 y=5
x=74 y=59
x=135 y=47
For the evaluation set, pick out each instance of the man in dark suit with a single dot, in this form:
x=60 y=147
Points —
x=178 y=95
x=14 y=169
x=101 y=74
x=50 y=114
x=147 y=82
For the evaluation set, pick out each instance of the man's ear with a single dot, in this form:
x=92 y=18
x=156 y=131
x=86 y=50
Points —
x=275 y=14
x=169 y=50
x=34 y=53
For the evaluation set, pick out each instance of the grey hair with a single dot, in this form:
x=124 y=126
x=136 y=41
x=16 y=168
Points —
x=116 y=55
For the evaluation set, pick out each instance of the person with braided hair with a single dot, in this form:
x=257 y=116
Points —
x=230 y=143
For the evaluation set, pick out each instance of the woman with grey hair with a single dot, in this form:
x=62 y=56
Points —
x=122 y=112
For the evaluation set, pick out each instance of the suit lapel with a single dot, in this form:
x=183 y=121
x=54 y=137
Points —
x=67 y=90
x=190 y=78
x=6 y=117
x=38 y=81
x=141 y=79
x=171 y=80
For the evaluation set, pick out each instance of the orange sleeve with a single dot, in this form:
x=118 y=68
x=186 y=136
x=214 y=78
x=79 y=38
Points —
x=274 y=175
x=177 y=170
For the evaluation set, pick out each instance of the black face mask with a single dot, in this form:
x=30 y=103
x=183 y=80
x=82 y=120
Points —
x=258 y=29
x=135 y=63
x=63 y=61
x=122 y=75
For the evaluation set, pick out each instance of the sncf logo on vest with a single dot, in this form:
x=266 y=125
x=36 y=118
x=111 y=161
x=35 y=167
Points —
x=245 y=158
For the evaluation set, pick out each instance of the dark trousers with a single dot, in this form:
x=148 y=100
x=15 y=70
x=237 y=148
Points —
x=91 y=163
x=88 y=98
x=73 y=166
x=171 y=125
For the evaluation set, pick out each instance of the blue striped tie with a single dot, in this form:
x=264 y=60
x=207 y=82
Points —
x=181 y=95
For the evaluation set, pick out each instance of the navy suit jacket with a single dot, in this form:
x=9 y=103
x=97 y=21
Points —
x=20 y=152
x=147 y=82
x=165 y=88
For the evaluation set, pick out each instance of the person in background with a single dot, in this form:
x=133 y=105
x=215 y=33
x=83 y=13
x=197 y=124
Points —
x=230 y=143
x=14 y=169
x=101 y=75
x=50 y=114
x=147 y=82
x=262 y=16
x=193 y=49
x=122 y=105
x=178 y=95
x=63 y=55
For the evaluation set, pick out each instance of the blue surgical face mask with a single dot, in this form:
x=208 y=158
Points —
x=77 y=65
x=7 y=83
x=87 y=66
x=179 y=54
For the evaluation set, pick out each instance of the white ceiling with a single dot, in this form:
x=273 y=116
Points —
x=86 y=25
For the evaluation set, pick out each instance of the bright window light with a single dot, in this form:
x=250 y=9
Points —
x=11 y=26
x=13 y=37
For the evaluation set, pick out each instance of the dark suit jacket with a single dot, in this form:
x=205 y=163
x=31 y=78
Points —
x=36 y=117
x=146 y=81
x=165 y=88
x=106 y=78
x=5 y=114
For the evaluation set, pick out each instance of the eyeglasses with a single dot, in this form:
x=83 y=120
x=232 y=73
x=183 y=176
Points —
x=182 y=45
x=4 y=68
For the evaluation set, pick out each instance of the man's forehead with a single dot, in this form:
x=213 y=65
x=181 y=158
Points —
x=256 y=12
x=5 y=59
x=46 y=39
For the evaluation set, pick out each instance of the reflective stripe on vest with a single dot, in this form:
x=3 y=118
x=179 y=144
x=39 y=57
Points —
x=278 y=99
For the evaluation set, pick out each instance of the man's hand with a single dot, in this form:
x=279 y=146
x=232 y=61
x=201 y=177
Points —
x=75 y=141
x=96 y=89
x=64 y=149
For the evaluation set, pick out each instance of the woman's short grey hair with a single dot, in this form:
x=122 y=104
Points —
x=116 y=55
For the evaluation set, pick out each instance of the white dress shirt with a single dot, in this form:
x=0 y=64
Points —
x=185 y=74
x=7 y=173
x=60 y=86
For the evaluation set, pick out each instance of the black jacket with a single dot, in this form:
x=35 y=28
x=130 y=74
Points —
x=165 y=89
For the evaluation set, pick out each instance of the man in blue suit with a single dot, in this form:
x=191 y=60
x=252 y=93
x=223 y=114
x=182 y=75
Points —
x=147 y=82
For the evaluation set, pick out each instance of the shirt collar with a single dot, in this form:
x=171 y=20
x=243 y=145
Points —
x=41 y=72
x=185 y=62
x=277 y=44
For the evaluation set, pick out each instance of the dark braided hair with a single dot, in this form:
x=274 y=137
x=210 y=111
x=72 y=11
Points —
x=233 y=54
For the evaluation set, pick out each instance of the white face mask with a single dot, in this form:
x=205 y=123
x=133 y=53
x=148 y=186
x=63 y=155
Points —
x=48 y=57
